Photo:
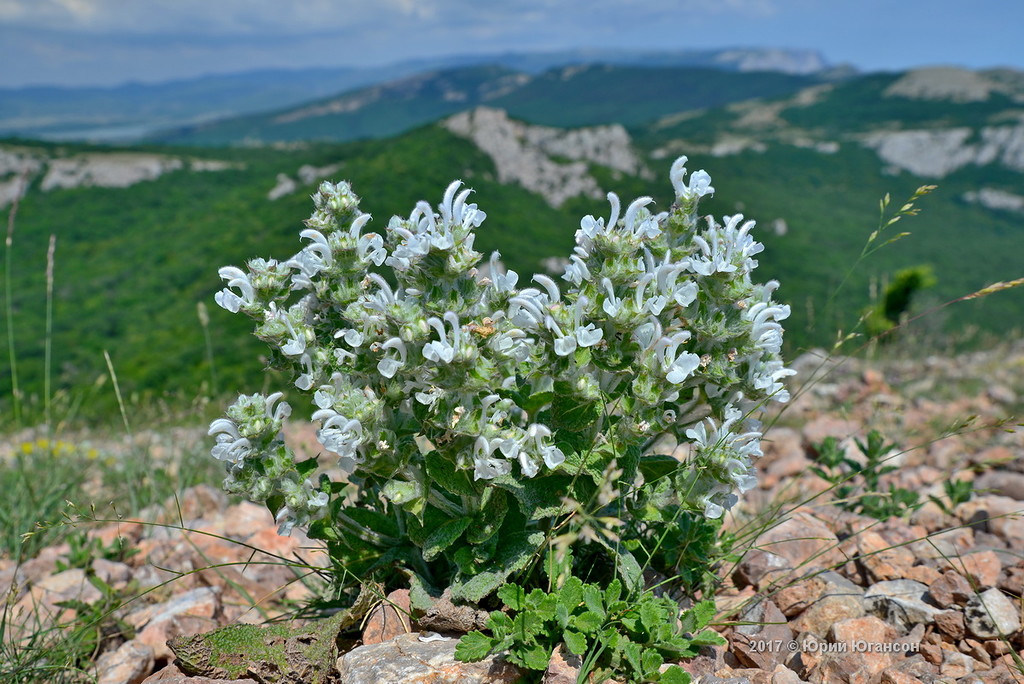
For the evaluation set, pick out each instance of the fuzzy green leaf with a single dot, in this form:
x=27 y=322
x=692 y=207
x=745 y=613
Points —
x=443 y=537
x=592 y=598
x=307 y=467
x=570 y=412
x=575 y=642
x=562 y=615
x=487 y=522
x=526 y=626
x=421 y=594
x=323 y=529
x=537 y=401
x=675 y=675
x=473 y=647
x=401 y=492
x=535 y=657
x=612 y=592
x=515 y=553
x=513 y=596
x=708 y=637
x=588 y=622
x=571 y=593
x=652 y=616
x=443 y=471
x=499 y=623
x=698 y=617
x=633 y=651
x=651 y=660
x=538 y=497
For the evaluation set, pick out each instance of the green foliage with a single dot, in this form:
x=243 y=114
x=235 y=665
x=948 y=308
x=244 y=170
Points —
x=625 y=636
x=895 y=302
x=83 y=550
x=62 y=653
x=45 y=475
x=957 y=492
x=856 y=486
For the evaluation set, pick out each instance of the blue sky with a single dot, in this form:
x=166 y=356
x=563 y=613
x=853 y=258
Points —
x=106 y=42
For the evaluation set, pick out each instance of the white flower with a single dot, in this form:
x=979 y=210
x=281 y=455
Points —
x=589 y=335
x=550 y=454
x=486 y=467
x=342 y=436
x=564 y=344
x=370 y=248
x=389 y=366
x=699 y=185
x=231 y=447
x=677 y=368
x=612 y=305
x=227 y=299
x=554 y=295
x=725 y=249
x=502 y=282
x=576 y=271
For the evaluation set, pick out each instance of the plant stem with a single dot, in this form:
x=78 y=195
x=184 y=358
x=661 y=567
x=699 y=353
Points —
x=48 y=342
x=12 y=354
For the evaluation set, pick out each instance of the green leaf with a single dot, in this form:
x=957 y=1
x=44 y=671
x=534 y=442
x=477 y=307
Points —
x=535 y=597
x=698 y=617
x=592 y=598
x=538 y=497
x=537 y=401
x=419 y=530
x=323 y=528
x=588 y=622
x=513 y=596
x=499 y=623
x=535 y=657
x=274 y=504
x=575 y=642
x=545 y=608
x=487 y=522
x=515 y=553
x=562 y=616
x=708 y=637
x=473 y=647
x=612 y=592
x=401 y=492
x=374 y=521
x=443 y=537
x=633 y=651
x=652 y=616
x=571 y=593
x=627 y=566
x=421 y=594
x=526 y=626
x=675 y=675
x=307 y=467
x=569 y=411
x=443 y=471
x=651 y=660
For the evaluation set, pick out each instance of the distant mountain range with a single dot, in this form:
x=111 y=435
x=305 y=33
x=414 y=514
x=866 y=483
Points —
x=134 y=111
x=809 y=162
x=576 y=95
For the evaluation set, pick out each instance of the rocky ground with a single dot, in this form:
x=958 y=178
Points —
x=821 y=594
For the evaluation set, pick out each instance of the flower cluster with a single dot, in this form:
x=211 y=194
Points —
x=655 y=322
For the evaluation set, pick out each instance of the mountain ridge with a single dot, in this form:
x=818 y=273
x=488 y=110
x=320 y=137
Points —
x=129 y=111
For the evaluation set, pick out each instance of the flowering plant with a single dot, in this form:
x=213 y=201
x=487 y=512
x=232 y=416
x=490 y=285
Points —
x=477 y=423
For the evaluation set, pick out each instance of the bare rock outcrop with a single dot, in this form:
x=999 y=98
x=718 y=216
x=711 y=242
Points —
x=523 y=154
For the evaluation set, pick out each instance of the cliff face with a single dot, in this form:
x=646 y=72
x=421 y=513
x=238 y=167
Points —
x=525 y=154
x=20 y=166
x=935 y=153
